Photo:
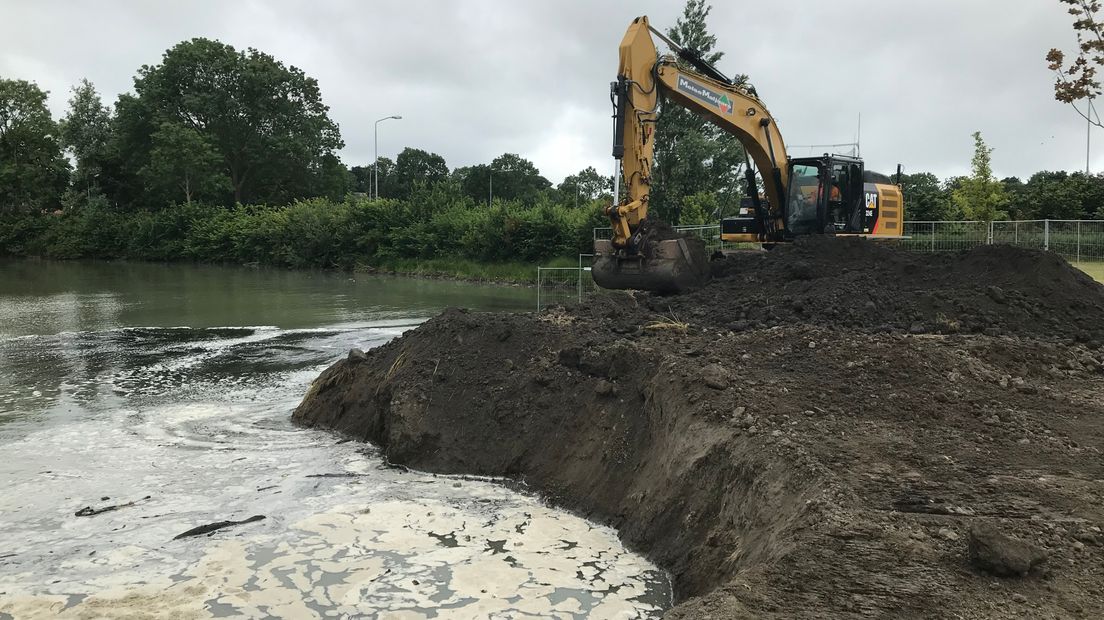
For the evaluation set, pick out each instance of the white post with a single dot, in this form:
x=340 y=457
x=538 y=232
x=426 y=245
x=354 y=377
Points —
x=538 y=288
x=579 y=282
x=933 y=237
x=1046 y=235
x=1016 y=233
x=1079 y=241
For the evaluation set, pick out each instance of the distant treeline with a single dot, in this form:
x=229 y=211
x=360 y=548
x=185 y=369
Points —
x=319 y=232
x=221 y=155
x=1044 y=195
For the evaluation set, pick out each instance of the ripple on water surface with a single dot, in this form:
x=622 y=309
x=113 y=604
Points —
x=198 y=421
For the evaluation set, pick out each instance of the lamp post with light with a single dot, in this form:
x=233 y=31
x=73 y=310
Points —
x=375 y=167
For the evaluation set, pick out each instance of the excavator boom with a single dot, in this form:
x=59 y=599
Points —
x=641 y=255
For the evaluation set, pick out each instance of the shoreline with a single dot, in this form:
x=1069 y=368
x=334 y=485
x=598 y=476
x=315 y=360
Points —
x=416 y=270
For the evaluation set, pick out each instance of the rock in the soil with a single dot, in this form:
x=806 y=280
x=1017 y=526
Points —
x=1019 y=598
x=995 y=552
x=356 y=355
x=604 y=388
x=715 y=376
x=996 y=293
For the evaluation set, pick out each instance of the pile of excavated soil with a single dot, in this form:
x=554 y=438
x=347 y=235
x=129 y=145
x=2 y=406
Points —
x=860 y=284
x=778 y=444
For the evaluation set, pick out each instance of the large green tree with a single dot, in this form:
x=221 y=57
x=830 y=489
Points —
x=416 y=168
x=585 y=185
x=508 y=177
x=980 y=196
x=925 y=198
x=1059 y=195
x=184 y=165
x=265 y=120
x=691 y=154
x=86 y=134
x=33 y=172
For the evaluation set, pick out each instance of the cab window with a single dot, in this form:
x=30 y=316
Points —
x=802 y=201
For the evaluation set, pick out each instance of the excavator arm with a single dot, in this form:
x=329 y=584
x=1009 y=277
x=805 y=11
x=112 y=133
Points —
x=642 y=76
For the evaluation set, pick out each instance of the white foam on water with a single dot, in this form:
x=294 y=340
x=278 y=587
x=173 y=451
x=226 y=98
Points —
x=344 y=536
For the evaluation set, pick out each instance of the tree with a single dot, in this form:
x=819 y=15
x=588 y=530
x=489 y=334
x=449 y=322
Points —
x=508 y=177
x=586 y=185
x=699 y=209
x=365 y=180
x=691 y=154
x=980 y=196
x=1016 y=191
x=925 y=199
x=417 y=168
x=182 y=163
x=33 y=172
x=362 y=179
x=1060 y=195
x=1077 y=81
x=266 y=121
x=86 y=133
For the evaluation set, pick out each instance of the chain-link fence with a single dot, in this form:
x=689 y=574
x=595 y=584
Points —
x=1081 y=242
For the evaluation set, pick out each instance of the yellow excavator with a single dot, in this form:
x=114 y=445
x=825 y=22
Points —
x=829 y=194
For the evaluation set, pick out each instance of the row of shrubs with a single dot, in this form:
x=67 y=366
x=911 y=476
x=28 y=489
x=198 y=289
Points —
x=311 y=233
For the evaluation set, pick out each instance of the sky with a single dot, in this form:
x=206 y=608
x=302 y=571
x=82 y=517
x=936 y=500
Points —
x=473 y=79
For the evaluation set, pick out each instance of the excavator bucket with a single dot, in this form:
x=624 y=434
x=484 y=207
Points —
x=663 y=266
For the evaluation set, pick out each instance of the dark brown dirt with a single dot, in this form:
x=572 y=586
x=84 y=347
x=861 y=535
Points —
x=792 y=452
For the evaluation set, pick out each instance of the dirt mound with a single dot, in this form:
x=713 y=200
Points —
x=794 y=467
x=860 y=284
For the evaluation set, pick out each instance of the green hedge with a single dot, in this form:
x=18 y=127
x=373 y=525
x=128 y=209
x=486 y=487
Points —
x=311 y=233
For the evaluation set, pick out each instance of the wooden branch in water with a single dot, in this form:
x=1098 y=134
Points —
x=218 y=525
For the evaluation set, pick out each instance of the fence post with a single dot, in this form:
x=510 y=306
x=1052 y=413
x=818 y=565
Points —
x=1079 y=241
x=579 y=279
x=1046 y=235
x=933 y=237
x=989 y=241
x=538 y=288
x=1016 y=228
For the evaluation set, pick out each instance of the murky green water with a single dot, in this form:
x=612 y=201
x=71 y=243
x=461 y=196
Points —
x=171 y=387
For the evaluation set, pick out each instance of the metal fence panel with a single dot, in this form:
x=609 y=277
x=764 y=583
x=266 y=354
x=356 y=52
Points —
x=1021 y=233
x=709 y=233
x=559 y=285
x=944 y=236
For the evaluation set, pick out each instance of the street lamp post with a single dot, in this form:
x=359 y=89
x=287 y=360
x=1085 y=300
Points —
x=375 y=166
x=490 y=184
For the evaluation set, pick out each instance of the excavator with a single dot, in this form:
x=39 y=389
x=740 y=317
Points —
x=828 y=194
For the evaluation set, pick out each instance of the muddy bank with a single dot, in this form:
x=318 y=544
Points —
x=785 y=460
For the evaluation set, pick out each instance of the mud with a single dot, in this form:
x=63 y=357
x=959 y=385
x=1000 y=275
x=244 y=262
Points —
x=821 y=432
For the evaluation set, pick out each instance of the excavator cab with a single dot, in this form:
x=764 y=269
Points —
x=826 y=195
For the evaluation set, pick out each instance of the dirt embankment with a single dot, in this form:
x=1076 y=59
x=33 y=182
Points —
x=829 y=436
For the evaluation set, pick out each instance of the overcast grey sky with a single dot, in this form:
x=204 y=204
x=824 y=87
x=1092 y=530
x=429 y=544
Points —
x=476 y=78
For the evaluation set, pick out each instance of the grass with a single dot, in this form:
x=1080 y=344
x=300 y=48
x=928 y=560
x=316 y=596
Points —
x=1095 y=270
x=516 y=273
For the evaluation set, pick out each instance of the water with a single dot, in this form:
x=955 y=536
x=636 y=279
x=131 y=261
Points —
x=167 y=391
